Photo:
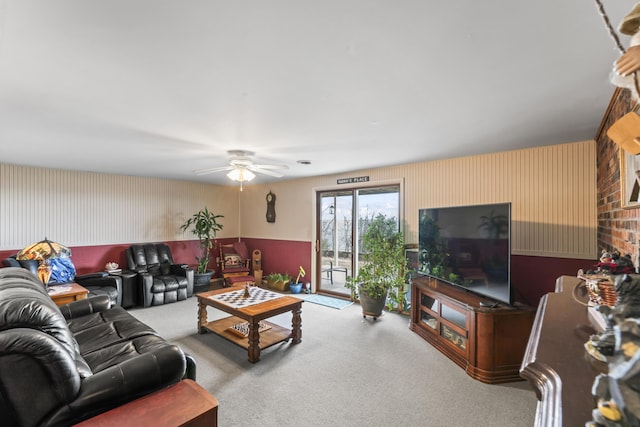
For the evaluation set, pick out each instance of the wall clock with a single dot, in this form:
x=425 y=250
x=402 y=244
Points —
x=271 y=207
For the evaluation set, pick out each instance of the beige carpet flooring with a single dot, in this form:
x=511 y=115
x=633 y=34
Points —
x=347 y=371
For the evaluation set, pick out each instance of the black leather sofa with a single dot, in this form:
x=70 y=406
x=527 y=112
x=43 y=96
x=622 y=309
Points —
x=61 y=365
x=100 y=283
x=160 y=280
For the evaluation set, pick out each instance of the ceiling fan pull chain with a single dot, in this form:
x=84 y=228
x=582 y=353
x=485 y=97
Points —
x=607 y=23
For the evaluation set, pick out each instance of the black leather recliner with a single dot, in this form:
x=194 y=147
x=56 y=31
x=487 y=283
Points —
x=61 y=365
x=160 y=280
x=100 y=283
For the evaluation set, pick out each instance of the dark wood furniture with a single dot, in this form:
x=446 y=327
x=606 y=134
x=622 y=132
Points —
x=183 y=404
x=234 y=261
x=254 y=314
x=556 y=363
x=60 y=295
x=487 y=342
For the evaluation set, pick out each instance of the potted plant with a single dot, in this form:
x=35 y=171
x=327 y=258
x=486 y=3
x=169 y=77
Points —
x=296 y=287
x=278 y=281
x=205 y=226
x=382 y=271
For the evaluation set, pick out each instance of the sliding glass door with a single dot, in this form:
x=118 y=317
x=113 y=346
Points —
x=342 y=216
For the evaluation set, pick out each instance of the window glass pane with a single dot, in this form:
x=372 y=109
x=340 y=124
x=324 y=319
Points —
x=454 y=316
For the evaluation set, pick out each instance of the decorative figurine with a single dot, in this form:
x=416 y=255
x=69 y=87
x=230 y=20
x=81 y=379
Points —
x=617 y=392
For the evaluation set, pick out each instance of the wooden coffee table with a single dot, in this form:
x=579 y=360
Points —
x=254 y=314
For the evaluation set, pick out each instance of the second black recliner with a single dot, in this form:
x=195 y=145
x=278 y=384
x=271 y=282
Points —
x=160 y=280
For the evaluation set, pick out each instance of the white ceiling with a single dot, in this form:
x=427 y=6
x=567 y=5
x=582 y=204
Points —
x=159 y=88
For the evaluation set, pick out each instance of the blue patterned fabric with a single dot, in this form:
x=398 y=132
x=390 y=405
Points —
x=62 y=270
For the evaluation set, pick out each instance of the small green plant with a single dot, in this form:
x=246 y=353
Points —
x=205 y=226
x=279 y=277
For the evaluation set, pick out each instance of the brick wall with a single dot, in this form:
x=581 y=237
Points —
x=618 y=228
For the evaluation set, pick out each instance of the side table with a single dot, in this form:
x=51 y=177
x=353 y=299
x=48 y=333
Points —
x=183 y=404
x=129 y=287
x=66 y=293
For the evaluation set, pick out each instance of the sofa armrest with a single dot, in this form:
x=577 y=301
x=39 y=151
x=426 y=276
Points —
x=190 y=372
x=38 y=373
x=86 y=306
x=124 y=382
x=185 y=271
x=101 y=280
x=97 y=275
x=179 y=269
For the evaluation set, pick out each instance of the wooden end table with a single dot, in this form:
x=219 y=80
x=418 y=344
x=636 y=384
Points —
x=255 y=314
x=183 y=404
x=75 y=293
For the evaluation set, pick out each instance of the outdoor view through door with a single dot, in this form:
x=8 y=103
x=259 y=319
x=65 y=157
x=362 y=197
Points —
x=343 y=215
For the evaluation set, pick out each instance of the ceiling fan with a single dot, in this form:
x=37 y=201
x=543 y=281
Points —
x=241 y=167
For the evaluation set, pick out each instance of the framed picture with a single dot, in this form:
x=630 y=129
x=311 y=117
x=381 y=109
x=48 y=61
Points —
x=629 y=180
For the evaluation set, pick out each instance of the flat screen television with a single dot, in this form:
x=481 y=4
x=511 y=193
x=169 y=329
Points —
x=468 y=246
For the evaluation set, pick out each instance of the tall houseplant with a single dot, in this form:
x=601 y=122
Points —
x=205 y=226
x=382 y=271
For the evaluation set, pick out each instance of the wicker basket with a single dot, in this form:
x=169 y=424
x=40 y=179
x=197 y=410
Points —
x=601 y=289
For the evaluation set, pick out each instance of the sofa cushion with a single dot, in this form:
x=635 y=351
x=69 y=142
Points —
x=232 y=260
x=116 y=353
x=106 y=334
x=86 y=321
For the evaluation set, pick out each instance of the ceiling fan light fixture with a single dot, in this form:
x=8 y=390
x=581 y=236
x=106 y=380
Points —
x=241 y=175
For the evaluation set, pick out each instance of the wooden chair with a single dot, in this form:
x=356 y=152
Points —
x=235 y=261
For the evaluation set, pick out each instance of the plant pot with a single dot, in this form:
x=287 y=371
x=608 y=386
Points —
x=278 y=285
x=371 y=306
x=295 y=288
x=201 y=280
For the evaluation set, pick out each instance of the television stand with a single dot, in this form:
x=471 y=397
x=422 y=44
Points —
x=488 y=342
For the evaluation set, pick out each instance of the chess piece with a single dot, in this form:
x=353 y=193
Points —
x=247 y=293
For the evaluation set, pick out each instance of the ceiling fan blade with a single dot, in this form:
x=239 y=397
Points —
x=272 y=167
x=265 y=171
x=212 y=170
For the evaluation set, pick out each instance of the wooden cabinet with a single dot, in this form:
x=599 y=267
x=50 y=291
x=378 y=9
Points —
x=185 y=404
x=487 y=342
x=556 y=363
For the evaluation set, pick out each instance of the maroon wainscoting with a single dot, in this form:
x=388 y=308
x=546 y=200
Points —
x=283 y=256
x=533 y=276
x=278 y=256
x=88 y=259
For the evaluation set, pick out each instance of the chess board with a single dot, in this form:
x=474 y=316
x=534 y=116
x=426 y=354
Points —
x=236 y=299
x=242 y=329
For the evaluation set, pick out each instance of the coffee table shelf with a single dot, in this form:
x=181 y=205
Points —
x=268 y=338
